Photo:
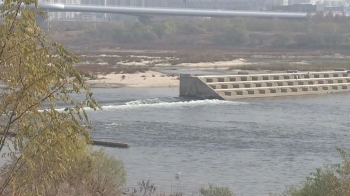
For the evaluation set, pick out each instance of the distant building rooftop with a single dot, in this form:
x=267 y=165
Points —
x=296 y=8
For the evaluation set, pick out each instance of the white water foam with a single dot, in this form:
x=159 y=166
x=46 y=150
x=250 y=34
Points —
x=145 y=102
x=112 y=124
x=156 y=103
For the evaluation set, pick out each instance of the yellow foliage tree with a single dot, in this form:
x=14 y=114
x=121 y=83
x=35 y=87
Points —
x=37 y=74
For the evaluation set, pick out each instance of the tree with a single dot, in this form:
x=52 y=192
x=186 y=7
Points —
x=310 y=40
x=98 y=174
x=38 y=73
x=237 y=35
x=119 y=33
x=145 y=20
x=140 y=33
x=163 y=28
x=190 y=28
x=281 y=40
x=331 y=180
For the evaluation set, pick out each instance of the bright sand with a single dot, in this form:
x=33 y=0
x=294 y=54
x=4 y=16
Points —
x=147 y=79
x=155 y=79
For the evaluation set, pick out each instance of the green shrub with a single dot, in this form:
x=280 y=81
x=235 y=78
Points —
x=280 y=40
x=98 y=174
x=213 y=190
x=332 y=180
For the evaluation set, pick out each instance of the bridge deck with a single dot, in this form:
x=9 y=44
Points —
x=137 y=11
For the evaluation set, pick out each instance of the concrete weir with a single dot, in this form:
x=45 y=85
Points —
x=244 y=85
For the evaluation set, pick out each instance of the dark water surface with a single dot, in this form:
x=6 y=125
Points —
x=253 y=146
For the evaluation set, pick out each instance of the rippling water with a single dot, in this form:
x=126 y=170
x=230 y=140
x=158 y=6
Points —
x=254 y=146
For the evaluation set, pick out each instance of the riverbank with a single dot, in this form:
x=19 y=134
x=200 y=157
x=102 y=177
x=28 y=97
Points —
x=117 y=68
x=135 y=80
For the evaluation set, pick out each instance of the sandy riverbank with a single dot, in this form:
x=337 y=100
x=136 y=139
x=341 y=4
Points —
x=156 y=79
x=110 y=78
x=137 y=80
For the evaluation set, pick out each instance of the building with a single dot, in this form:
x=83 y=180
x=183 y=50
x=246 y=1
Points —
x=293 y=2
x=320 y=2
x=337 y=10
x=334 y=3
x=296 y=8
x=277 y=2
x=219 y=4
x=93 y=2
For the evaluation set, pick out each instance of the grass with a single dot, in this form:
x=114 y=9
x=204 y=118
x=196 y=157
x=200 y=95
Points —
x=273 y=60
x=147 y=188
x=175 y=58
x=172 y=58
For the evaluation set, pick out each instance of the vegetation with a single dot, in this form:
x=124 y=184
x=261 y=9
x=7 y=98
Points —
x=48 y=153
x=98 y=174
x=332 y=180
x=216 y=191
x=318 y=32
x=146 y=188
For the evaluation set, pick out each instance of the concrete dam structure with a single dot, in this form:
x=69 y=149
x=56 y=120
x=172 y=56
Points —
x=244 y=85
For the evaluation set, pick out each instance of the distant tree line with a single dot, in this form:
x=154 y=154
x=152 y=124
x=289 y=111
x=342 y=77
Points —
x=317 y=32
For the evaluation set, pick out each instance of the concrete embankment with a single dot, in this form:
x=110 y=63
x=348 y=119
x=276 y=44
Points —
x=94 y=142
x=229 y=87
x=110 y=144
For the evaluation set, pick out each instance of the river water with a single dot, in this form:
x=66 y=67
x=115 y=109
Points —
x=254 y=146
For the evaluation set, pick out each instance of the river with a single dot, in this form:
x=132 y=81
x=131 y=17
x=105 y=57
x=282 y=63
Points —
x=254 y=146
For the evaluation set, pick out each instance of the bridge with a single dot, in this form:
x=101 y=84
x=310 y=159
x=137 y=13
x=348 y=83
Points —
x=137 y=11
